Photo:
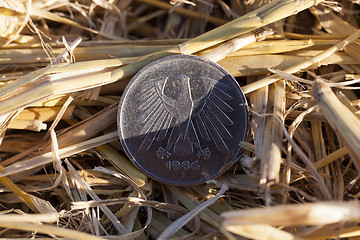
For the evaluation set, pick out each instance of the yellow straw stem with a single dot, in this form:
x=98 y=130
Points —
x=16 y=190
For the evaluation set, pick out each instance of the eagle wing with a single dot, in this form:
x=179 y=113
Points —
x=210 y=114
x=209 y=117
x=156 y=113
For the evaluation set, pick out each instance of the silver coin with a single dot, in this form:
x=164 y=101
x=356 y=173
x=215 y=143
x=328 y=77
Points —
x=181 y=118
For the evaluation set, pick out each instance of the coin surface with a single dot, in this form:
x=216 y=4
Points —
x=181 y=118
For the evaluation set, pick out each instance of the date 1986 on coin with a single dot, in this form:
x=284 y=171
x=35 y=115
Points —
x=179 y=119
x=182 y=166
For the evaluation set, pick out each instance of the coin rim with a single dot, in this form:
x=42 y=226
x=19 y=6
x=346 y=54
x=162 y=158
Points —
x=226 y=165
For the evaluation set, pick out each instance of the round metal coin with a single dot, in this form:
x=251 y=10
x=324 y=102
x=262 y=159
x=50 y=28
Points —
x=181 y=118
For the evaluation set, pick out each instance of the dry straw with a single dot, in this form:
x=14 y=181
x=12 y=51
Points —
x=65 y=64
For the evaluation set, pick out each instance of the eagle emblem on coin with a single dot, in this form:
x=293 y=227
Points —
x=161 y=114
x=181 y=119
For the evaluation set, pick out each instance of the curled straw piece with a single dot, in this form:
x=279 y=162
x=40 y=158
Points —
x=136 y=233
x=179 y=223
x=302 y=155
x=85 y=186
x=341 y=119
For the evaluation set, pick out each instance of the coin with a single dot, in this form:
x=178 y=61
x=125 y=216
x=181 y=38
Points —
x=181 y=119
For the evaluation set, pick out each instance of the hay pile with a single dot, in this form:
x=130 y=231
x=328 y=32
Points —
x=64 y=65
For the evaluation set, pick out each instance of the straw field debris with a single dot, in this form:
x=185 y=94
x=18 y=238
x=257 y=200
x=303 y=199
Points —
x=64 y=67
